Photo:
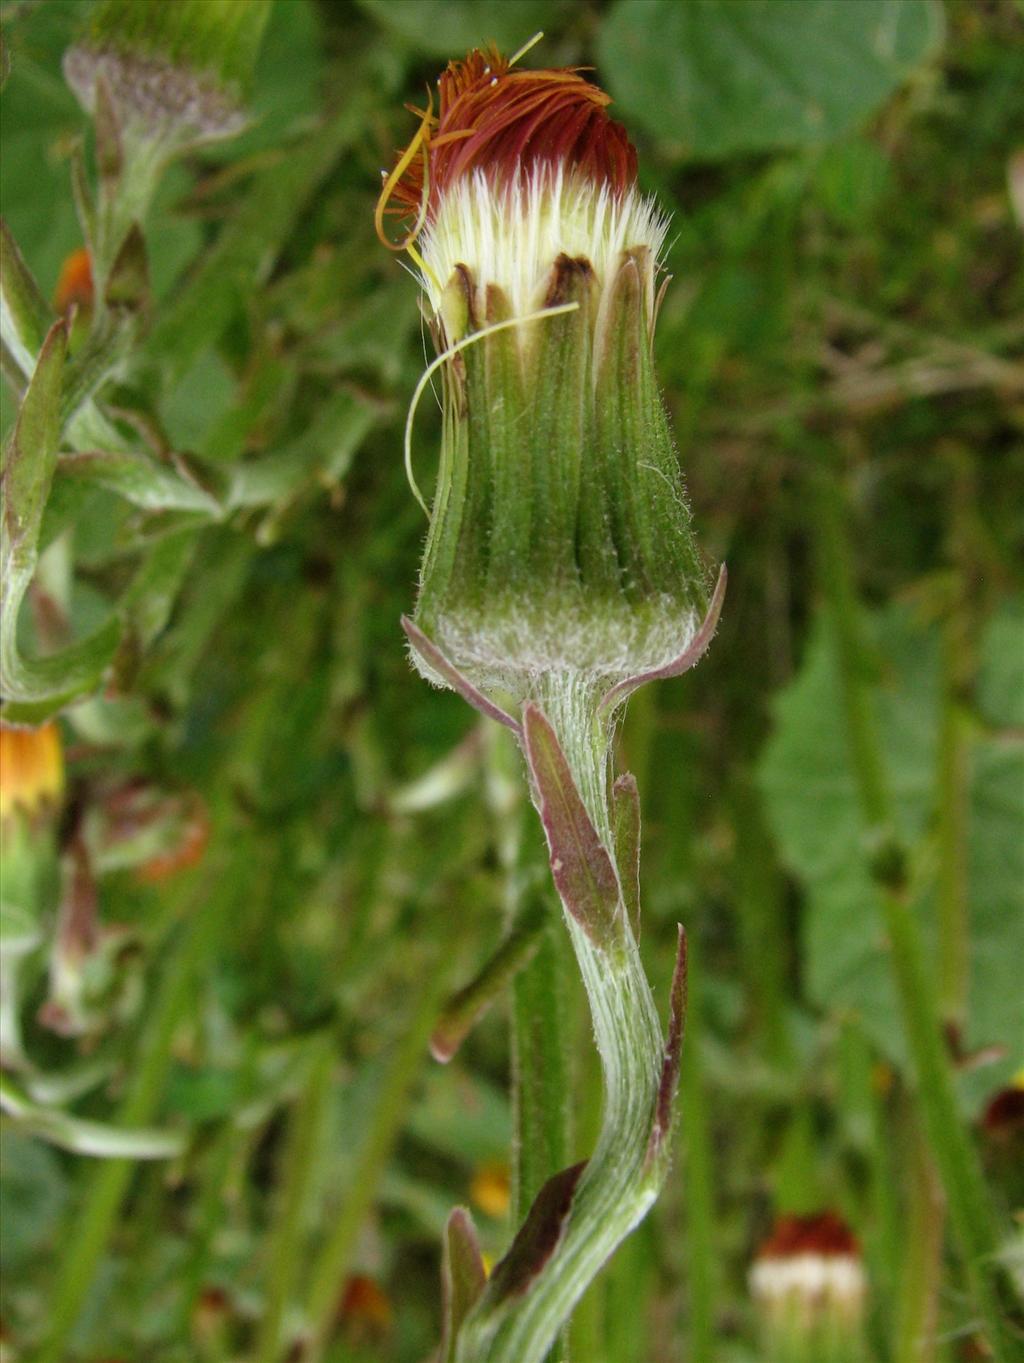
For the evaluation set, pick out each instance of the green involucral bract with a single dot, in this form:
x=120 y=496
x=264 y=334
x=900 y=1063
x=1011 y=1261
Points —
x=560 y=539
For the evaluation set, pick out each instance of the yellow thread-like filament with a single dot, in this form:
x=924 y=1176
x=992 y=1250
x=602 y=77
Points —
x=421 y=139
x=526 y=47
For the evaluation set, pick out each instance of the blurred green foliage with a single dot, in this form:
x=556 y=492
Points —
x=846 y=302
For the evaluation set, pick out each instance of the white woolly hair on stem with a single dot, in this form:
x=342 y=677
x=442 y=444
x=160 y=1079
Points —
x=443 y=359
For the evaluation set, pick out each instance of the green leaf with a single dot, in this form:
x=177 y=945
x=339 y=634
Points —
x=33 y=689
x=139 y=480
x=23 y=310
x=19 y=931
x=31 y=452
x=713 y=78
x=449 y=30
x=812 y=803
x=33 y=1195
x=462 y=1275
x=461 y=1114
x=147 y=604
x=41 y=120
x=83 y=1137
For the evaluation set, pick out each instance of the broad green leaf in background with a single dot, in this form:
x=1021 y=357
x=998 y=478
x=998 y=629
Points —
x=446 y=30
x=41 y=119
x=285 y=85
x=713 y=78
x=33 y=1194
x=811 y=799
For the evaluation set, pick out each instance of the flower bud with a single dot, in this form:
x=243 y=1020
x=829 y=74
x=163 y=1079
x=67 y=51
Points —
x=809 y=1287
x=560 y=539
x=174 y=72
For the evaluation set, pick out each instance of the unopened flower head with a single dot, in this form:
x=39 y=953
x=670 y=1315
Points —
x=809 y=1286
x=560 y=538
x=173 y=72
x=31 y=771
x=524 y=166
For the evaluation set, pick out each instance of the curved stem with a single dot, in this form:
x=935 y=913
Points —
x=574 y=1227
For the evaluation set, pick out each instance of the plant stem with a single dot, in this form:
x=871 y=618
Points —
x=618 y=1185
x=917 y=1333
x=540 y=1033
x=298 y=1165
x=759 y=901
x=956 y=1160
x=701 y=1253
x=109 y=1183
x=953 y=791
x=540 y=1075
x=331 y=1265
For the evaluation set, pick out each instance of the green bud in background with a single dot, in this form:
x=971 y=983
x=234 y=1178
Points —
x=177 y=71
x=158 y=77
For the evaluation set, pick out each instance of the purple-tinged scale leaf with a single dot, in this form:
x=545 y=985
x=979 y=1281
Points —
x=663 y=1111
x=463 y=1277
x=687 y=659
x=582 y=869
x=437 y=662
x=538 y=1237
x=626 y=817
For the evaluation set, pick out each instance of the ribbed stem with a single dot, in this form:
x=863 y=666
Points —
x=541 y=1042
x=619 y=1183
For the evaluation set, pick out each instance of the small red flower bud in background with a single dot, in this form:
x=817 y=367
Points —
x=364 y=1312
x=809 y=1287
x=74 y=285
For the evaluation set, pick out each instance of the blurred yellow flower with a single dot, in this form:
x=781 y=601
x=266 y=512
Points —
x=31 y=770
x=490 y=1190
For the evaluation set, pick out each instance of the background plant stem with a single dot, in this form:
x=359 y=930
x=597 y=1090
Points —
x=77 y=1268
x=701 y=1249
x=328 y=1270
x=959 y=1169
x=298 y=1165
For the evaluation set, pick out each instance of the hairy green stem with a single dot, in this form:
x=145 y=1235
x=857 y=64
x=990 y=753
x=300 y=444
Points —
x=541 y=1075
x=620 y=1182
x=540 y=1034
x=971 y=1213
